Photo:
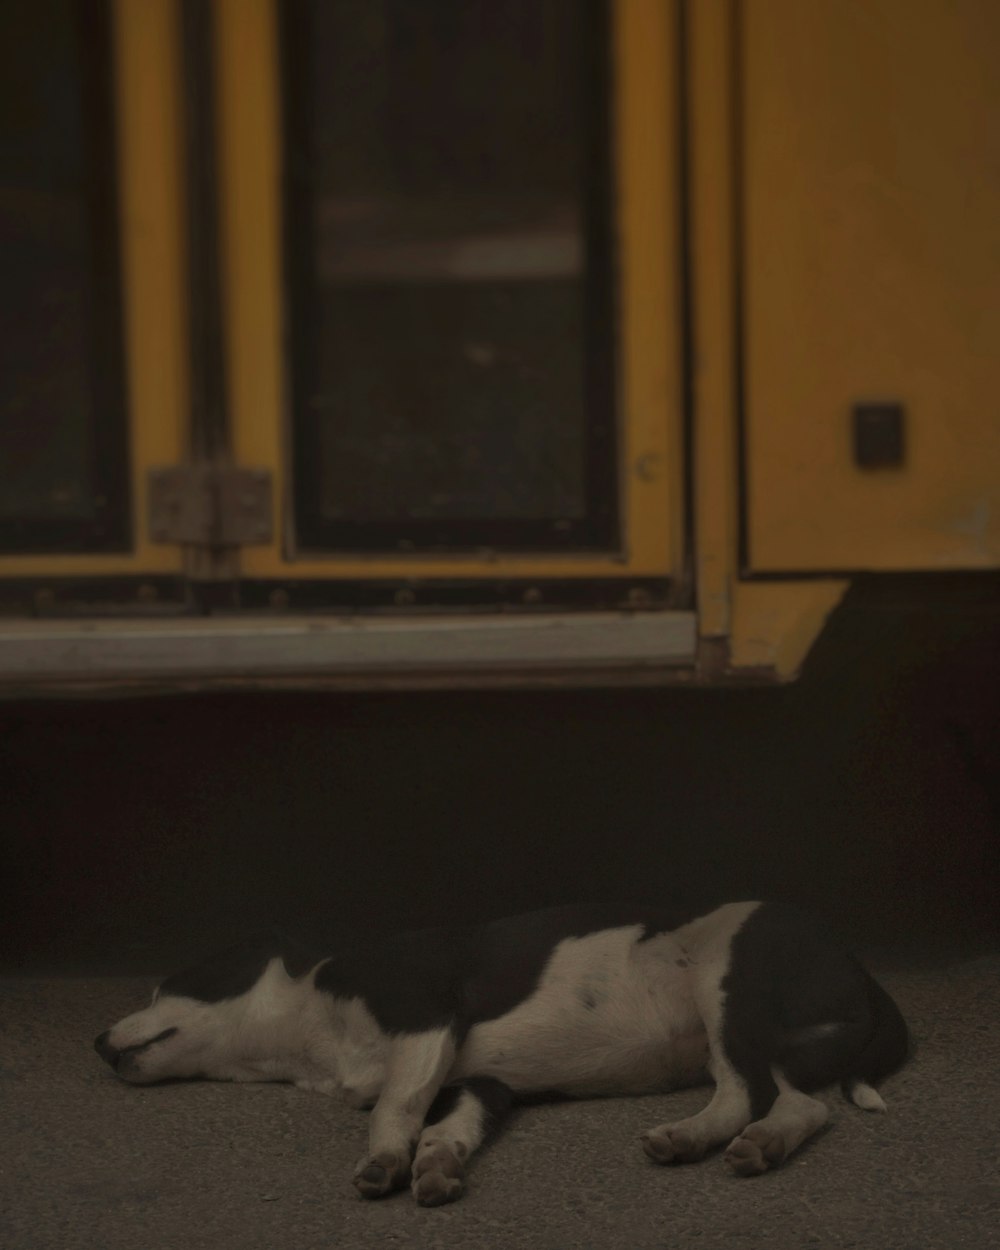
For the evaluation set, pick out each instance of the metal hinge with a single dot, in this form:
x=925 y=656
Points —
x=210 y=505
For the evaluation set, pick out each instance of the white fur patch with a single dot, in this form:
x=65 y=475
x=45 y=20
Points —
x=866 y=1098
x=281 y=1029
x=611 y=1015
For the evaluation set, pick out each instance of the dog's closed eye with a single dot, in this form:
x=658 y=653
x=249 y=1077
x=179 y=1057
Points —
x=160 y=1037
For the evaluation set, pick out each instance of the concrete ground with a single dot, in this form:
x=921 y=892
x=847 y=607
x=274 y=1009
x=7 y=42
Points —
x=138 y=835
x=86 y=1161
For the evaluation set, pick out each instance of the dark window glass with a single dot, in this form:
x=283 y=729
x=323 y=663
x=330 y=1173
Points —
x=63 y=482
x=450 y=274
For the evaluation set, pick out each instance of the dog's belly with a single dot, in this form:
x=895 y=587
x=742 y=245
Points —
x=611 y=1015
x=584 y=1064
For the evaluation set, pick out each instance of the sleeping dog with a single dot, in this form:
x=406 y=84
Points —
x=439 y=1031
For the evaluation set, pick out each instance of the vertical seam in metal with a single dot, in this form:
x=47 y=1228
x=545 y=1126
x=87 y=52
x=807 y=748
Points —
x=686 y=305
x=738 y=146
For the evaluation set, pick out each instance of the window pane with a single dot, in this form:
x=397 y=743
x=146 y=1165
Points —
x=62 y=452
x=450 y=273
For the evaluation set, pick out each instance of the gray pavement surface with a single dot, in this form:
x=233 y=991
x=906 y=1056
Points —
x=86 y=1161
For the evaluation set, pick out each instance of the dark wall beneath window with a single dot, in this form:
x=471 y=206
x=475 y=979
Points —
x=133 y=834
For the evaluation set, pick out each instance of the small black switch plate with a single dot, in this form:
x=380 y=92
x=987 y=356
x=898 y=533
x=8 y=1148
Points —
x=878 y=435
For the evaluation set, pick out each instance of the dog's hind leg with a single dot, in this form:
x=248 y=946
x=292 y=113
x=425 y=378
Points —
x=738 y=1042
x=793 y=1117
x=729 y=1110
x=463 y=1117
x=416 y=1067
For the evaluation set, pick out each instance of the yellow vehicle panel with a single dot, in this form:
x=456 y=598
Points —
x=871 y=229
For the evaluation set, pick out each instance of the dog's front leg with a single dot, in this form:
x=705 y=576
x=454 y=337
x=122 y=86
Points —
x=416 y=1067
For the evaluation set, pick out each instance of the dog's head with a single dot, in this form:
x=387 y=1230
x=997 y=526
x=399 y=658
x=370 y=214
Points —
x=206 y=1020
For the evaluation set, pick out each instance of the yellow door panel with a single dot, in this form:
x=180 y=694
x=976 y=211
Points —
x=649 y=401
x=871 y=202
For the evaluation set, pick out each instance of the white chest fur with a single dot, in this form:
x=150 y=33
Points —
x=347 y=1054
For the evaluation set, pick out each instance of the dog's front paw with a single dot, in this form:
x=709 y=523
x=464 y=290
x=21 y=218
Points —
x=670 y=1144
x=438 y=1175
x=755 y=1151
x=381 y=1173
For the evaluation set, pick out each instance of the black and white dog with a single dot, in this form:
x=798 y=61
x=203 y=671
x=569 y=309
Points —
x=440 y=1030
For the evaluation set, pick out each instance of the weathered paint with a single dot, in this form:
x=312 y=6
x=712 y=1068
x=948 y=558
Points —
x=872 y=266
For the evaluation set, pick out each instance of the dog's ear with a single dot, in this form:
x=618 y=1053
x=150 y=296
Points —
x=295 y=955
x=226 y=974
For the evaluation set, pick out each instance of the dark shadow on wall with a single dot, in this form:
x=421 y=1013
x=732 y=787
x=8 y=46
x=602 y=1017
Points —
x=136 y=834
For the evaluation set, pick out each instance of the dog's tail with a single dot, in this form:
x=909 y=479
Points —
x=885 y=1051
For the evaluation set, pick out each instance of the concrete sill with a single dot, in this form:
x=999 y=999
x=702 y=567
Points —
x=359 y=651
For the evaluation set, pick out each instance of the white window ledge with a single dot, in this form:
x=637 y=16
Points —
x=355 y=651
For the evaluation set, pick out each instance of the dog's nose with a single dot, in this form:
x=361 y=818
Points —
x=104 y=1048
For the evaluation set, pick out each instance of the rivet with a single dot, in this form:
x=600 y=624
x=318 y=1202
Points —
x=532 y=595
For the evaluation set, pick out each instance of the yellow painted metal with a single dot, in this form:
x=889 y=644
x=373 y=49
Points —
x=774 y=624
x=645 y=33
x=714 y=272
x=249 y=173
x=147 y=100
x=769 y=627
x=872 y=204
x=250 y=170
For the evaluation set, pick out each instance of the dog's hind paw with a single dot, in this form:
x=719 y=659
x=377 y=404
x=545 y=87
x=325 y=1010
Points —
x=438 y=1175
x=381 y=1173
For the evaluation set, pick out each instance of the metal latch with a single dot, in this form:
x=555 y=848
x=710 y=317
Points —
x=210 y=505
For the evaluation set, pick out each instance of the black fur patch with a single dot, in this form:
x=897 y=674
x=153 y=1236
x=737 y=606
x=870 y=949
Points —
x=493 y=1095
x=496 y=1100
x=237 y=969
x=458 y=977
x=788 y=973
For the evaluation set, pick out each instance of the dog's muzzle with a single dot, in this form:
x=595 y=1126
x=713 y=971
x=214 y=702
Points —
x=120 y=1060
x=104 y=1048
